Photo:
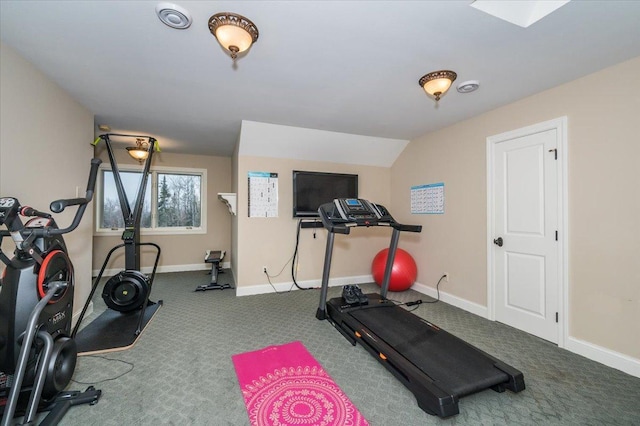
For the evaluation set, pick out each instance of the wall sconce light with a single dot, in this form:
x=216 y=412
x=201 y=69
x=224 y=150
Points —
x=234 y=32
x=437 y=83
x=139 y=152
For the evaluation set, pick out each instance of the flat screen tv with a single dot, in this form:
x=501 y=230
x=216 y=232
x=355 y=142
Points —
x=311 y=189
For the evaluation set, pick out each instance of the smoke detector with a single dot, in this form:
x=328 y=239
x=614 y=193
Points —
x=173 y=15
x=468 y=86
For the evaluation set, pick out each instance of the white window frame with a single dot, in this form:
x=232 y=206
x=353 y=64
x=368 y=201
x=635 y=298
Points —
x=154 y=171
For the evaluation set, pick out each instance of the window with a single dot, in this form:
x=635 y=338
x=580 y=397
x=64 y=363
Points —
x=174 y=203
x=178 y=197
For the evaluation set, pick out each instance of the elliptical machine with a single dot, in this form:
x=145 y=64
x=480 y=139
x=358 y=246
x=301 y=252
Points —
x=37 y=353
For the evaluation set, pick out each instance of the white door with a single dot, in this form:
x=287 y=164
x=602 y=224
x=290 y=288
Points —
x=526 y=224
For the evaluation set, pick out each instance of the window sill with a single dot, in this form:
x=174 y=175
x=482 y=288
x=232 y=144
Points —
x=180 y=231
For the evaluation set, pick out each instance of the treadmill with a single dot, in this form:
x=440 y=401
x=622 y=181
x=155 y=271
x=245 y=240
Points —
x=437 y=367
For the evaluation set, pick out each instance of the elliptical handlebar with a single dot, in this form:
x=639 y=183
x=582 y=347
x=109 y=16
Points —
x=57 y=207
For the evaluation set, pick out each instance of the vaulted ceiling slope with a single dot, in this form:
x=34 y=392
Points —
x=342 y=66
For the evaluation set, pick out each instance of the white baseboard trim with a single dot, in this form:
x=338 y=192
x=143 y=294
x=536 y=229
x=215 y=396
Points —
x=164 y=268
x=604 y=356
x=282 y=287
x=468 y=306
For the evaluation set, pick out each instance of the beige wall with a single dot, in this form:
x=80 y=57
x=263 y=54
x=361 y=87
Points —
x=45 y=152
x=234 y=218
x=604 y=201
x=177 y=250
x=270 y=242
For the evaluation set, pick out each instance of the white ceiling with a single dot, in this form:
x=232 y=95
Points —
x=341 y=66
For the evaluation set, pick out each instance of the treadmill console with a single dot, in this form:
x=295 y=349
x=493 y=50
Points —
x=344 y=213
x=356 y=209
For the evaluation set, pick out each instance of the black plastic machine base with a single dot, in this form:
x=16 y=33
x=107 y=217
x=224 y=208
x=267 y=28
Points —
x=59 y=406
x=114 y=331
x=436 y=366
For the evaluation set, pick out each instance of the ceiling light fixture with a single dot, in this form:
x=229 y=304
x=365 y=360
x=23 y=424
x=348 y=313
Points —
x=437 y=83
x=139 y=152
x=173 y=15
x=234 y=32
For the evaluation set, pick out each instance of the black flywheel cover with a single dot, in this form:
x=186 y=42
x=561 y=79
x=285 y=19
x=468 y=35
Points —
x=126 y=291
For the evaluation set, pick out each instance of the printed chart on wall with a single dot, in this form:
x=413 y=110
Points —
x=427 y=199
x=263 y=194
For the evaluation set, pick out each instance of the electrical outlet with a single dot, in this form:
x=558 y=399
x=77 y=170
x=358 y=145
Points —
x=446 y=277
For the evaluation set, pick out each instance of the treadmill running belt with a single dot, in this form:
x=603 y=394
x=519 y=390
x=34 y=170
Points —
x=452 y=363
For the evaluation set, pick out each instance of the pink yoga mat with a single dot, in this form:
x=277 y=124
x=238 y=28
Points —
x=284 y=385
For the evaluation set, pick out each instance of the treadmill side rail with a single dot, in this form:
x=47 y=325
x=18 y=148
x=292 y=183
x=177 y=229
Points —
x=516 y=378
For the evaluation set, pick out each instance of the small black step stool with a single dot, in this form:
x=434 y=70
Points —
x=214 y=258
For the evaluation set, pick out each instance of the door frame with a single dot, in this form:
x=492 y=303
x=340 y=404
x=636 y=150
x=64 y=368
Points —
x=560 y=125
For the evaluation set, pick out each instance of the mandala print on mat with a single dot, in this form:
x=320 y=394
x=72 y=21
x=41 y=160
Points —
x=284 y=385
x=299 y=396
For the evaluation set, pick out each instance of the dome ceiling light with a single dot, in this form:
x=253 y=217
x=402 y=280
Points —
x=234 y=32
x=139 y=152
x=437 y=83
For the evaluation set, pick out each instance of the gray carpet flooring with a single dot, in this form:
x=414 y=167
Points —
x=180 y=372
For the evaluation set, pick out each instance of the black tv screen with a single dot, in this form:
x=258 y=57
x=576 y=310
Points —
x=311 y=189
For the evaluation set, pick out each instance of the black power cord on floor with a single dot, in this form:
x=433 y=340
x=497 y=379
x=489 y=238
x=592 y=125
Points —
x=420 y=301
x=130 y=364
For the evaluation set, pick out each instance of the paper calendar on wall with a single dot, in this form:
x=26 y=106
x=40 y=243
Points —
x=427 y=199
x=263 y=194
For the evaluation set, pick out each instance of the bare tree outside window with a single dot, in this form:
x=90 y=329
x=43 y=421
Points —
x=176 y=199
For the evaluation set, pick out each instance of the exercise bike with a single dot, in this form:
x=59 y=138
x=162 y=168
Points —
x=37 y=354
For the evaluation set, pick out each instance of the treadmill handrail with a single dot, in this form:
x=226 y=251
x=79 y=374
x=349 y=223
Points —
x=408 y=228
x=336 y=228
